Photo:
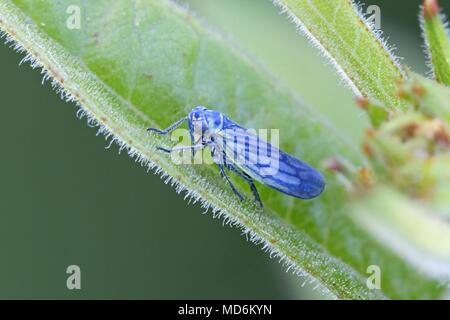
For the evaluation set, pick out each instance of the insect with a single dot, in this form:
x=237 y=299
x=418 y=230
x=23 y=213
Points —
x=236 y=149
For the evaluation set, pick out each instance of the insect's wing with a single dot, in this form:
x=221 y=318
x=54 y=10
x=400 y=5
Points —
x=296 y=178
x=269 y=165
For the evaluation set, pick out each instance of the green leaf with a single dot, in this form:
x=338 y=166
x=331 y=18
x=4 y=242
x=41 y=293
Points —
x=137 y=64
x=407 y=206
x=408 y=227
x=432 y=98
x=377 y=114
x=437 y=41
x=360 y=55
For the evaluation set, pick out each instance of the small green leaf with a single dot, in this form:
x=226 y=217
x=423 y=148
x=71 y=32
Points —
x=430 y=97
x=377 y=114
x=437 y=41
x=359 y=53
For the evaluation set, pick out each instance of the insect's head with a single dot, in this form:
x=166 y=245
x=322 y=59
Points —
x=197 y=114
x=203 y=119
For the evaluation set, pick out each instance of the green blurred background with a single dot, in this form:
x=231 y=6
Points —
x=66 y=200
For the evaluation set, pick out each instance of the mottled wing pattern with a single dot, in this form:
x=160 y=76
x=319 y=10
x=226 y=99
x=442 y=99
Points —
x=267 y=164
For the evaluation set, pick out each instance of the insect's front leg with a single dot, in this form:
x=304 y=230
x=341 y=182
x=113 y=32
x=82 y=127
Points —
x=195 y=147
x=169 y=128
x=199 y=141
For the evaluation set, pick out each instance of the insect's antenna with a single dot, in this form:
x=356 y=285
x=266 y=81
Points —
x=170 y=128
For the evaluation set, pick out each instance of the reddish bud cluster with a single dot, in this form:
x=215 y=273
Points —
x=430 y=8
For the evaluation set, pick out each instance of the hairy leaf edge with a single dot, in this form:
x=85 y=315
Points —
x=303 y=29
x=259 y=237
x=431 y=73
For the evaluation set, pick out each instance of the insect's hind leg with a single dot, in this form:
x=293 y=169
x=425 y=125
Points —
x=249 y=180
x=233 y=187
